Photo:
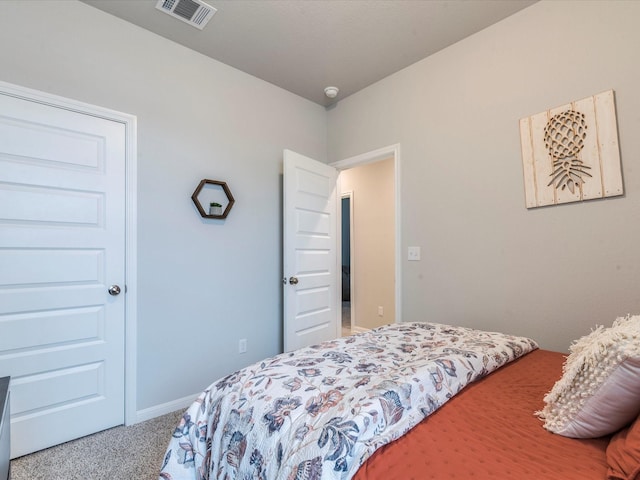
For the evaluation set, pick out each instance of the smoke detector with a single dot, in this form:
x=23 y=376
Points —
x=194 y=12
x=331 y=92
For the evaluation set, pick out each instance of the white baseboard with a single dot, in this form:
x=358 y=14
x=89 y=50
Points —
x=355 y=329
x=156 y=411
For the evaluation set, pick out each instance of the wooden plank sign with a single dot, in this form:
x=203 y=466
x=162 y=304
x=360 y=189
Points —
x=570 y=153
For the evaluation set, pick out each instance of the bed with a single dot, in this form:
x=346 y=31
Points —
x=418 y=400
x=489 y=430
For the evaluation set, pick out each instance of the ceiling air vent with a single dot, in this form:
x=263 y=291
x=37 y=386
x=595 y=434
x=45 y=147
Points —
x=193 y=12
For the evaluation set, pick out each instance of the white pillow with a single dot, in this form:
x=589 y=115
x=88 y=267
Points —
x=599 y=391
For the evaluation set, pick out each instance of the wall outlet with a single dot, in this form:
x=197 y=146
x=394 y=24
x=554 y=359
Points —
x=413 y=254
x=380 y=311
x=242 y=345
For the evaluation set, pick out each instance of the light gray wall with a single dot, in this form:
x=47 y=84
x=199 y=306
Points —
x=202 y=284
x=549 y=273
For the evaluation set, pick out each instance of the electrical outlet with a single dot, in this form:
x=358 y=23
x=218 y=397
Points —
x=242 y=345
x=413 y=254
x=380 y=311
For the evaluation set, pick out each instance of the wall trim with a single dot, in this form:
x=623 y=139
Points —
x=359 y=330
x=131 y=225
x=164 y=408
x=390 y=151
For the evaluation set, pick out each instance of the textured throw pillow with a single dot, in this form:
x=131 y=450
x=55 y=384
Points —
x=623 y=454
x=599 y=391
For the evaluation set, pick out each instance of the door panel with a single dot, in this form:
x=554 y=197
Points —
x=62 y=241
x=310 y=219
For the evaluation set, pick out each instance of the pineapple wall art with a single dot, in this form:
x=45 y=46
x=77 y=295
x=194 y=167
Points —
x=570 y=153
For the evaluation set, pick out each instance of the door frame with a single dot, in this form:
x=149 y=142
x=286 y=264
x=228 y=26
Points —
x=390 y=151
x=131 y=192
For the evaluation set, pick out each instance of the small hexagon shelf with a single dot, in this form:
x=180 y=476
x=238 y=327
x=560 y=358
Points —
x=200 y=194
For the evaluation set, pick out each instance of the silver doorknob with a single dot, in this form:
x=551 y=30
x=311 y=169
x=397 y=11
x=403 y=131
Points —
x=293 y=280
x=114 y=290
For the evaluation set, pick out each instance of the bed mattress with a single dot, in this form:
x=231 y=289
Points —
x=489 y=430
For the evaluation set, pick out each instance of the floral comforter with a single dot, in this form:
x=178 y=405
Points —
x=320 y=412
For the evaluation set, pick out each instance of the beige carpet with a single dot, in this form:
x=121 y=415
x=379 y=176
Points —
x=123 y=453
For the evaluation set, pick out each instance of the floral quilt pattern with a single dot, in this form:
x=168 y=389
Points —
x=320 y=412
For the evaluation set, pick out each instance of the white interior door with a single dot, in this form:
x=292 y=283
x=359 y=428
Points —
x=62 y=245
x=310 y=266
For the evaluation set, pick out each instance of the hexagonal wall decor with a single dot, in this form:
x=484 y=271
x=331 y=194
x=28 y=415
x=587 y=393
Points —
x=200 y=194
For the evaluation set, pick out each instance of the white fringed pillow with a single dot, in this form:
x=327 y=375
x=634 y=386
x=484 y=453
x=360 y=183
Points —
x=599 y=391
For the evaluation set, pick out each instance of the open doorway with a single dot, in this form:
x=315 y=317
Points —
x=347 y=245
x=369 y=239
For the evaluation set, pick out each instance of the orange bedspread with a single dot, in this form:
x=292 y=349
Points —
x=489 y=431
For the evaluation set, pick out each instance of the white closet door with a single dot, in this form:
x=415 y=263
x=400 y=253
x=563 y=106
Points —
x=62 y=247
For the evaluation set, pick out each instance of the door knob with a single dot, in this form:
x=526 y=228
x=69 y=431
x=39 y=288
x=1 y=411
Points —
x=293 y=280
x=114 y=290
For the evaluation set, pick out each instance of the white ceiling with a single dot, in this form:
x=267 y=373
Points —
x=305 y=45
